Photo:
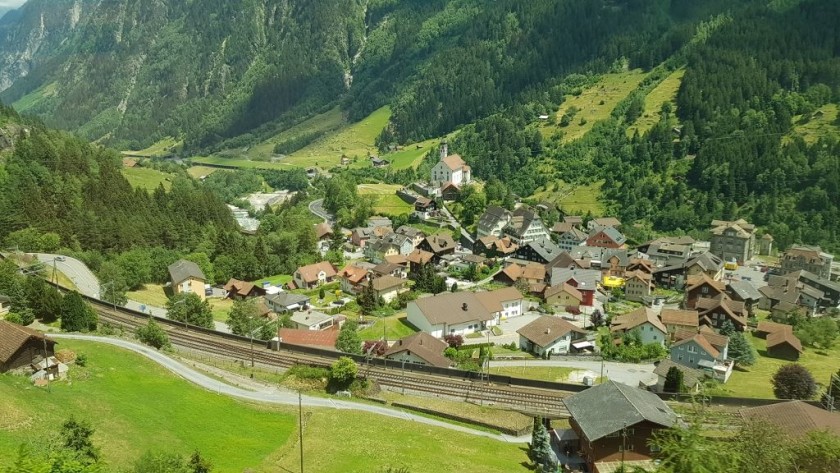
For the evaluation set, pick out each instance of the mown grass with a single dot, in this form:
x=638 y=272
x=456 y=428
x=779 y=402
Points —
x=146 y=178
x=135 y=406
x=161 y=148
x=197 y=172
x=396 y=326
x=321 y=123
x=666 y=91
x=594 y=103
x=574 y=199
x=238 y=163
x=277 y=280
x=221 y=308
x=35 y=97
x=387 y=201
x=411 y=155
x=151 y=295
x=544 y=373
x=821 y=124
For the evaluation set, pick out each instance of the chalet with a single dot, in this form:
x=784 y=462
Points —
x=668 y=251
x=451 y=169
x=389 y=269
x=415 y=234
x=525 y=226
x=463 y=313
x=704 y=351
x=733 y=240
x=548 y=336
x=439 y=245
x=575 y=220
x=614 y=422
x=781 y=342
x=584 y=280
x=642 y=320
x=449 y=192
x=671 y=277
x=21 y=346
x=542 y=251
x=286 y=302
x=389 y=287
x=359 y=236
x=675 y=319
x=309 y=338
x=702 y=286
x=378 y=162
x=705 y=263
x=830 y=289
x=796 y=419
x=493 y=247
x=187 y=278
x=692 y=378
x=571 y=238
x=742 y=291
x=637 y=286
x=238 y=290
x=377 y=250
x=492 y=222
x=715 y=311
x=417 y=259
x=603 y=222
x=560 y=228
x=641 y=265
x=424 y=207
x=562 y=295
x=313 y=275
x=565 y=261
x=613 y=263
x=607 y=237
x=532 y=273
x=323 y=231
x=351 y=278
x=420 y=349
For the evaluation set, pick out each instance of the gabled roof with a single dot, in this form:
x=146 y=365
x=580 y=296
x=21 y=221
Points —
x=312 y=338
x=492 y=300
x=564 y=261
x=627 y=322
x=352 y=273
x=795 y=418
x=707 y=262
x=454 y=162
x=611 y=233
x=546 y=249
x=573 y=219
x=440 y=242
x=420 y=257
x=453 y=308
x=534 y=270
x=744 y=290
x=182 y=270
x=768 y=327
x=13 y=337
x=740 y=226
x=698 y=280
x=607 y=222
x=546 y=329
x=565 y=287
x=323 y=229
x=492 y=216
x=586 y=279
x=701 y=341
x=287 y=299
x=574 y=234
x=241 y=288
x=781 y=337
x=521 y=221
x=610 y=407
x=387 y=282
x=385 y=268
x=309 y=273
x=685 y=318
x=561 y=227
x=410 y=232
x=691 y=376
x=423 y=346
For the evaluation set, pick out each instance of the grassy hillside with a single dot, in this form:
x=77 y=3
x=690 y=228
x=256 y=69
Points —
x=146 y=178
x=820 y=124
x=162 y=148
x=387 y=201
x=136 y=406
x=322 y=123
x=576 y=200
x=666 y=91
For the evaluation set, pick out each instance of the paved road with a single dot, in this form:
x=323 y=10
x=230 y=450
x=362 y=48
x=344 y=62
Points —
x=317 y=208
x=276 y=396
x=627 y=373
x=84 y=279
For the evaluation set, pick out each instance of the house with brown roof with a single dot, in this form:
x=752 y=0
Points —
x=323 y=231
x=389 y=287
x=704 y=351
x=692 y=378
x=715 y=311
x=808 y=258
x=21 y=346
x=702 y=286
x=548 y=336
x=309 y=338
x=494 y=247
x=781 y=342
x=389 y=269
x=351 y=278
x=733 y=240
x=463 y=313
x=187 y=278
x=450 y=169
x=637 y=286
x=603 y=222
x=532 y=273
x=644 y=321
x=795 y=419
x=420 y=349
x=562 y=295
x=492 y=221
x=313 y=275
x=417 y=259
x=704 y=263
x=439 y=245
x=675 y=319
x=238 y=290
x=607 y=237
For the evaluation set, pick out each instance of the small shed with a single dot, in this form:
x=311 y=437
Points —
x=21 y=346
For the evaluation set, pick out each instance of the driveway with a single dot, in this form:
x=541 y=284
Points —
x=273 y=395
x=86 y=282
x=626 y=373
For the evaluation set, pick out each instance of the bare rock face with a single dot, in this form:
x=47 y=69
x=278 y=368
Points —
x=9 y=134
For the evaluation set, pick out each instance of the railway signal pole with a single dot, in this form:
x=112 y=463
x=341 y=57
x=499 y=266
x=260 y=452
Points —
x=300 y=429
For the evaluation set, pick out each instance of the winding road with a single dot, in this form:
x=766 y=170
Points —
x=277 y=396
x=317 y=208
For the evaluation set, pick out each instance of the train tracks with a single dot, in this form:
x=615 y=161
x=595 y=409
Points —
x=527 y=400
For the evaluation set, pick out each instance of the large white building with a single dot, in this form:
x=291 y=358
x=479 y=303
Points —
x=450 y=168
x=463 y=313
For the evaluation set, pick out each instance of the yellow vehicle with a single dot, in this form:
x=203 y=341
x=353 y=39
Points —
x=730 y=266
x=611 y=282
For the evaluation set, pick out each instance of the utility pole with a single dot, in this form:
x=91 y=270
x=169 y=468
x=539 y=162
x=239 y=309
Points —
x=300 y=429
x=47 y=365
x=623 y=444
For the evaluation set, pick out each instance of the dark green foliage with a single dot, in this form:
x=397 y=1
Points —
x=427 y=280
x=191 y=309
x=794 y=381
x=152 y=334
x=77 y=315
x=540 y=452
x=348 y=339
x=113 y=287
x=631 y=349
x=76 y=436
x=817 y=332
x=81 y=360
x=243 y=317
x=674 y=380
x=367 y=299
x=597 y=318
x=741 y=349
x=343 y=372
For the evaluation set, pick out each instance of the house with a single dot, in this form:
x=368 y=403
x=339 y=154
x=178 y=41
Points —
x=745 y=292
x=671 y=277
x=21 y=346
x=439 y=245
x=705 y=263
x=607 y=237
x=323 y=231
x=560 y=228
x=5 y=304
x=525 y=226
x=420 y=349
x=562 y=295
x=415 y=234
x=637 y=286
x=641 y=265
x=715 y=311
x=781 y=342
x=359 y=236
x=313 y=275
x=571 y=238
x=733 y=240
x=351 y=278
x=676 y=319
x=575 y=220
x=584 y=280
x=548 y=336
x=286 y=302
x=565 y=261
x=494 y=247
x=389 y=287
x=312 y=320
x=377 y=250
x=463 y=313
x=449 y=192
x=541 y=251
x=828 y=291
x=795 y=419
x=417 y=259
x=702 y=286
x=616 y=422
x=807 y=258
x=603 y=222
x=450 y=169
x=642 y=320
x=765 y=244
x=492 y=222
x=389 y=269
x=532 y=273
x=424 y=208
x=612 y=263
x=704 y=351
x=668 y=250
x=503 y=303
x=187 y=278
x=238 y=290
x=692 y=378
x=378 y=162
x=404 y=243
x=308 y=338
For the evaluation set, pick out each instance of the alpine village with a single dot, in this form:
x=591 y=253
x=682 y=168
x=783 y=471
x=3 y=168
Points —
x=399 y=236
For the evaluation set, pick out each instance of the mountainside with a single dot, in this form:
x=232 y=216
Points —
x=133 y=72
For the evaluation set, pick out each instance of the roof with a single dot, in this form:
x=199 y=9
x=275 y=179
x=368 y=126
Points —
x=565 y=287
x=440 y=242
x=685 y=318
x=387 y=282
x=767 y=326
x=562 y=227
x=521 y=221
x=607 y=222
x=609 y=407
x=492 y=216
x=182 y=270
x=573 y=219
x=387 y=268
x=809 y=252
x=585 y=279
x=420 y=256
x=287 y=299
x=610 y=232
x=636 y=318
x=700 y=340
x=14 y=336
x=242 y=288
x=492 y=300
x=454 y=162
x=534 y=271
x=322 y=229
x=744 y=290
x=735 y=309
x=399 y=260
x=411 y=232
x=574 y=234
x=706 y=261
x=309 y=273
x=691 y=376
x=353 y=273
x=546 y=249
x=780 y=337
x=545 y=330
x=796 y=418
x=310 y=318
x=564 y=260
x=423 y=346
x=453 y=308
x=700 y=279
x=312 y=338
x=741 y=226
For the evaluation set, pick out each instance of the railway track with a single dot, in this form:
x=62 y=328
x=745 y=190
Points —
x=527 y=400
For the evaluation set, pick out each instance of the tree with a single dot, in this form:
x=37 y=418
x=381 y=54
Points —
x=152 y=334
x=761 y=448
x=367 y=299
x=113 y=287
x=161 y=462
x=687 y=450
x=794 y=381
x=321 y=294
x=818 y=452
x=76 y=314
x=193 y=310
x=674 y=380
x=454 y=341
x=76 y=436
x=199 y=464
x=741 y=350
x=343 y=372
x=43 y=299
x=820 y=332
x=348 y=338
x=540 y=451
x=454 y=287
x=597 y=318
x=727 y=328
x=242 y=316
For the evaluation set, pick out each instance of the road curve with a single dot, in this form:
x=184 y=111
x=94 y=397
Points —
x=86 y=282
x=274 y=396
x=317 y=209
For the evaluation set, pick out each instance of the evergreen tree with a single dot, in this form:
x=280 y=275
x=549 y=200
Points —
x=674 y=380
x=191 y=309
x=76 y=314
x=741 y=350
x=367 y=299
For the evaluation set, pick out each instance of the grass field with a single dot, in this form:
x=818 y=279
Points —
x=574 y=199
x=595 y=103
x=146 y=178
x=161 y=148
x=321 y=123
x=396 y=326
x=35 y=97
x=151 y=294
x=822 y=124
x=492 y=415
x=221 y=308
x=666 y=91
x=197 y=172
x=411 y=155
x=387 y=201
x=277 y=280
x=239 y=163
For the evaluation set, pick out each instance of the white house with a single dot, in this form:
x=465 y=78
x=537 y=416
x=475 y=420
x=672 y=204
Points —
x=463 y=313
x=502 y=303
x=492 y=221
x=549 y=335
x=643 y=321
x=312 y=320
x=421 y=349
x=450 y=168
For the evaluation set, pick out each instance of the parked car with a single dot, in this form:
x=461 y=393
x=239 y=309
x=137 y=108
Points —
x=60 y=258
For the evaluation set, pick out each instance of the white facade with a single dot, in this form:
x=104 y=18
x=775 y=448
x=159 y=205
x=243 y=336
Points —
x=558 y=347
x=510 y=309
x=416 y=317
x=650 y=334
x=407 y=357
x=495 y=230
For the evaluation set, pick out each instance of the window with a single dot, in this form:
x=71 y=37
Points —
x=691 y=359
x=654 y=448
x=692 y=349
x=680 y=357
x=629 y=448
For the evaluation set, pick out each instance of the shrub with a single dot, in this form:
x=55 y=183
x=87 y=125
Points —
x=794 y=381
x=343 y=373
x=81 y=359
x=309 y=372
x=153 y=335
x=454 y=341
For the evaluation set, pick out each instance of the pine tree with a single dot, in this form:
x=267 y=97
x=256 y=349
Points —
x=674 y=380
x=76 y=314
x=741 y=350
